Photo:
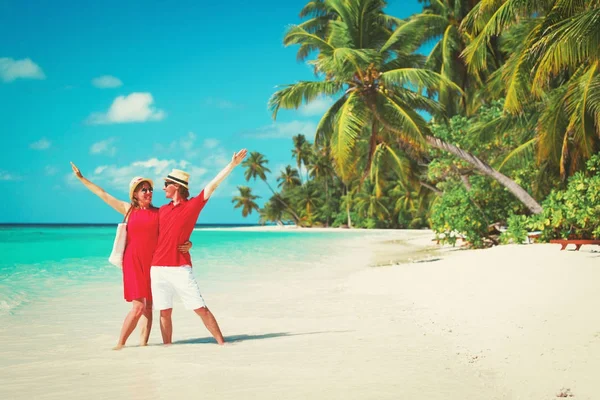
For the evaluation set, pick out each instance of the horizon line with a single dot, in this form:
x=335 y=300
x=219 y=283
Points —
x=107 y=224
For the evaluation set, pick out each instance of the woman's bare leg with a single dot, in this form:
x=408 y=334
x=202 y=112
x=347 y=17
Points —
x=137 y=309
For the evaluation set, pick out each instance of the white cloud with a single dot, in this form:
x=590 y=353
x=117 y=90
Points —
x=316 y=107
x=107 y=82
x=197 y=172
x=50 y=170
x=136 y=107
x=218 y=159
x=158 y=167
x=7 y=176
x=11 y=69
x=285 y=130
x=187 y=143
x=220 y=103
x=99 y=169
x=187 y=147
x=118 y=177
x=42 y=144
x=209 y=157
x=210 y=143
x=72 y=180
x=104 y=147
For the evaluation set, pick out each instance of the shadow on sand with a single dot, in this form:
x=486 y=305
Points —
x=243 y=338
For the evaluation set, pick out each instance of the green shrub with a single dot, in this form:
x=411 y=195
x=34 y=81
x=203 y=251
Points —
x=575 y=211
x=455 y=215
x=517 y=230
x=570 y=213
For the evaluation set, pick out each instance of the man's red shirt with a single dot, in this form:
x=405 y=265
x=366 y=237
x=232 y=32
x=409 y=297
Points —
x=176 y=224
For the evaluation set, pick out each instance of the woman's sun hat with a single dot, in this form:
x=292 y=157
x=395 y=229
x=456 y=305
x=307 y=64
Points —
x=178 y=176
x=135 y=182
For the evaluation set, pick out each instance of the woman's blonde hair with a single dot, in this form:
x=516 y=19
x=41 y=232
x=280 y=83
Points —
x=134 y=202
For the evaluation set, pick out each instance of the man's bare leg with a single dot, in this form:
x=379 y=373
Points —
x=131 y=320
x=166 y=325
x=146 y=324
x=211 y=324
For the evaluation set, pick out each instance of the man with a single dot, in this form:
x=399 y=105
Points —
x=171 y=271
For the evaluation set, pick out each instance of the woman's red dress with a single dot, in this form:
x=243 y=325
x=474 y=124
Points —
x=142 y=236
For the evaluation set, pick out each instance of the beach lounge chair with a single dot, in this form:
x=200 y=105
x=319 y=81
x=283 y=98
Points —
x=577 y=242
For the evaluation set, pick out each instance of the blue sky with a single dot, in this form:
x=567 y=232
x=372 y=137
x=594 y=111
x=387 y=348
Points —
x=139 y=87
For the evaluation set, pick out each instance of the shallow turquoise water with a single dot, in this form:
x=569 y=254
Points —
x=39 y=263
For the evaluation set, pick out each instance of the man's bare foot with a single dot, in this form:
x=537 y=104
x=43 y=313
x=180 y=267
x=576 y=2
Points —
x=118 y=347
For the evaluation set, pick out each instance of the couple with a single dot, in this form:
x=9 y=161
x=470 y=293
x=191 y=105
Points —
x=156 y=262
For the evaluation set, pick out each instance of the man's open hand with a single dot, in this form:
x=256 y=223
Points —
x=238 y=157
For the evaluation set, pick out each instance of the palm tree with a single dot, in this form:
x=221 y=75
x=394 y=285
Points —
x=301 y=152
x=554 y=64
x=366 y=60
x=322 y=168
x=307 y=197
x=273 y=211
x=441 y=21
x=289 y=178
x=246 y=201
x=371 y=205
x=348 y=201
x=256 y=167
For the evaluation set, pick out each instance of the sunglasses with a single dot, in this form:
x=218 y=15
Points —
x=146 y=190
x=167 y=183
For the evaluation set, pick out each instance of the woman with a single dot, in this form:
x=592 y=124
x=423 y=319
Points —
x=142 y=235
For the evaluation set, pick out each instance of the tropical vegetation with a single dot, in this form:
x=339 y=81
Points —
x=464 y=117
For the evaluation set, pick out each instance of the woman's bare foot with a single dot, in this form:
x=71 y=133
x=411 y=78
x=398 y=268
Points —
x=118 y=347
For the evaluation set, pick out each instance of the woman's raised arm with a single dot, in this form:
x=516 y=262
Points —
x=120 y=206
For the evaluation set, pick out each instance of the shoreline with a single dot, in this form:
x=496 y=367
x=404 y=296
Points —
x=295 y=228
x=509 y=322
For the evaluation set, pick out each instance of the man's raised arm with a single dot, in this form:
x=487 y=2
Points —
x=236 y=159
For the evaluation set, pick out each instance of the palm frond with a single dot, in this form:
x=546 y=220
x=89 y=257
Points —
x=350 y=121
x=326 y=125
x=298 y=35
x=581 y=122
x=293 y=96
x=406 y=37
x=524 y=150
x=418 y=78
x=569 y=43
x=401 y=119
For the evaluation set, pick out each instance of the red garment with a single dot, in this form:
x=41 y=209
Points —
x=142 y=235
x=176 y=226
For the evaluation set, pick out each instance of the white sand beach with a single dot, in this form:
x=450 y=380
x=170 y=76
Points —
x=510 y=322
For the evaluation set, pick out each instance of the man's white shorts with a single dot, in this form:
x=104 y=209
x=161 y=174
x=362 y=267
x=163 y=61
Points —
x=166 y=281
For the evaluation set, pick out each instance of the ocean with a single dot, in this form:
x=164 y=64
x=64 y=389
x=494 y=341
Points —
x=41 y=262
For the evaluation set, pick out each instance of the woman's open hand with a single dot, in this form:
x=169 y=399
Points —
x=76 y=171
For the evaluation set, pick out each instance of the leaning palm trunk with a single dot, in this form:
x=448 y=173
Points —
x=520 y=193
x=481 y=166
x=283 y=203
